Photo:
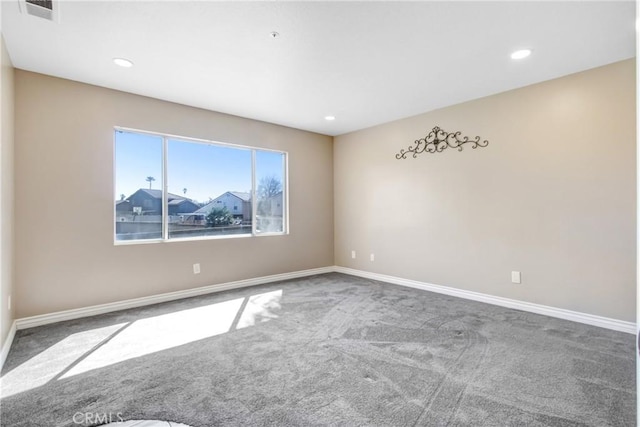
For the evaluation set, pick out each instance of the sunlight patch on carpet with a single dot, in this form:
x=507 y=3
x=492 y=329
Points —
x=159 y=333
x=97 y=348
x=45 y=366
x=260 y=308
x=166 y=331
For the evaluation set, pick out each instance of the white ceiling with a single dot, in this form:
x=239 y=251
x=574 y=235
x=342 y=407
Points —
x=364 y=62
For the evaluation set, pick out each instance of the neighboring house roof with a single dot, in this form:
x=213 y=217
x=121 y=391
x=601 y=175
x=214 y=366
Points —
x=157 y=194
x=205 y=209
x=119 y=202
x=245 y=197
x=241 y=195
x=176 y=202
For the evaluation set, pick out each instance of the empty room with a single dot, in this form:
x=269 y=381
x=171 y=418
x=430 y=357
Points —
x=318 y=213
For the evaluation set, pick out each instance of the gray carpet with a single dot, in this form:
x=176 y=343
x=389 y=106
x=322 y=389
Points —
x=325 y=350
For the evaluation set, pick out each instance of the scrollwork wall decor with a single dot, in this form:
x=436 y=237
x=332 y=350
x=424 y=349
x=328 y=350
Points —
x=439 y=140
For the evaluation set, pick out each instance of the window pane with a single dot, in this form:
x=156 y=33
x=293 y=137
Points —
x=138 y=197
x=209 y=190
x=270 y=181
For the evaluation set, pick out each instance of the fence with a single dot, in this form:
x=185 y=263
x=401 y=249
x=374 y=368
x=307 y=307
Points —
x=153 y=230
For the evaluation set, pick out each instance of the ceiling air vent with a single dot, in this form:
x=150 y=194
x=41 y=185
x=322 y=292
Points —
x=45 y=9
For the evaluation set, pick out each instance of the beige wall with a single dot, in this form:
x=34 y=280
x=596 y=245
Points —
x=552 y=196
x=6 y=190
x=65 y=258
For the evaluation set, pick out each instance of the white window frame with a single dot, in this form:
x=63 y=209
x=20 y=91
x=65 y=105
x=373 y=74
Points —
x=165 y=190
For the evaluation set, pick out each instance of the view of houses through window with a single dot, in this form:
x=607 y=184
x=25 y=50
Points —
x=210 y=188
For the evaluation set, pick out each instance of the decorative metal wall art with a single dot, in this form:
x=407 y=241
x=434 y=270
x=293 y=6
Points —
x=437 y=141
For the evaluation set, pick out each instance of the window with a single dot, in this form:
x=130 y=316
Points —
x=179 y=188
x=270 y=194
x=138 y=159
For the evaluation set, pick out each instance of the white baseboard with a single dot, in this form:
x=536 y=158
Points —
x=6 y=345
x=589 y=319
x=45 y=319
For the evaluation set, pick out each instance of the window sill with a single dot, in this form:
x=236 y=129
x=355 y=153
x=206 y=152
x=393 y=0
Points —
x=194 y=239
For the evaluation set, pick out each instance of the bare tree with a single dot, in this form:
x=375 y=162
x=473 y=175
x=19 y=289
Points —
x=269 y=186
x=184 y=191
x=150 y=179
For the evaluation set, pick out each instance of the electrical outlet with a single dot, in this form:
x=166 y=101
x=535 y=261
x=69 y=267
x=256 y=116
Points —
x=196 y=268
x=372 y=257
x=353 y=254
x=515 y=277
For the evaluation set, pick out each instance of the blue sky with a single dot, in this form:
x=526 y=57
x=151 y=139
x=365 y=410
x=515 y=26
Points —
x=205 y=170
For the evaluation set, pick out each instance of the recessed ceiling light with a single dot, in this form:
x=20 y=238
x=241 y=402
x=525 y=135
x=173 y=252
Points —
x=123 y=62
x=520 y=54
x=330 y=118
